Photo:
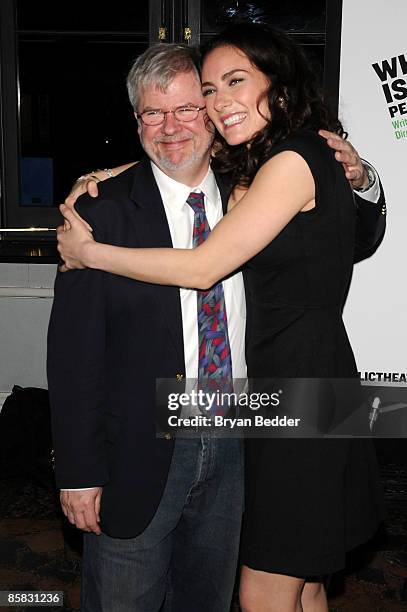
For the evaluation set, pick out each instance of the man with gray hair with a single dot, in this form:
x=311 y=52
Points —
x=167 y=532
x=162 y=517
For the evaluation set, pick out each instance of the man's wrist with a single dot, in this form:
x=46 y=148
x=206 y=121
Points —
x=372 y=194
x=370 y=178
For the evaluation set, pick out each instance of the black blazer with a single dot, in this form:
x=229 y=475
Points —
x=109 y=339
x=370 y=225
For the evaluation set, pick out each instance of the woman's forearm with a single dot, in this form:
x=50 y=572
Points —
x=179 y=267
x=102 y=175
x=88 y=182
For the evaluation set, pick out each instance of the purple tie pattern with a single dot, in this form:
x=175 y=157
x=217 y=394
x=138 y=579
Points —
x=214 y=362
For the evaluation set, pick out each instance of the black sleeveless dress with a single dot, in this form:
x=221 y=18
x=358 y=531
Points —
x=308 y=500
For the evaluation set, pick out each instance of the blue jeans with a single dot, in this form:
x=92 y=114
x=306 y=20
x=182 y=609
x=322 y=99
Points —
x=185 y=560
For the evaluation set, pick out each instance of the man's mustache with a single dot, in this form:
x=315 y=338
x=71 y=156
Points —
x=167 y=139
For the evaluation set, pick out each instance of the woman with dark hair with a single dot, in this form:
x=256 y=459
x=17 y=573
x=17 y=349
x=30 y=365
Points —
x=294 y=101
x=291 y=223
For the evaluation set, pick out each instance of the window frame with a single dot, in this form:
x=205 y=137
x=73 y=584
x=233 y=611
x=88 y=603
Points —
x=174 y=16
x=13 y=215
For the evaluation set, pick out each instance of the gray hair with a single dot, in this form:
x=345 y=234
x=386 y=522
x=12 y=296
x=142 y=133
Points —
x=158 y=66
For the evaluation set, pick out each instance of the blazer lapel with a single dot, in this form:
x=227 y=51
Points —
x=151 y=215
x=153 y=231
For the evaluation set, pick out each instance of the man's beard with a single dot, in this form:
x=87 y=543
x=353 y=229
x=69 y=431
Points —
x=186 y=162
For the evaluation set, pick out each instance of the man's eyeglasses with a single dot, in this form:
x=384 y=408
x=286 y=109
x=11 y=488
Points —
x=182 y=113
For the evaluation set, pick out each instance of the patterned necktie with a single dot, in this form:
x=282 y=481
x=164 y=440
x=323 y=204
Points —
x=214 y=362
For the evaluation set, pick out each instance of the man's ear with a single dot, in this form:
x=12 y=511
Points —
x=138 y=123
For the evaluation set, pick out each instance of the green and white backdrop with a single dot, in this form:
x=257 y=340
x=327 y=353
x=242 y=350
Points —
x=373 y=108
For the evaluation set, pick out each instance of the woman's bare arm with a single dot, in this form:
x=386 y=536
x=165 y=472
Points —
x=88 y=182
x=102 y=175
x=283 y=187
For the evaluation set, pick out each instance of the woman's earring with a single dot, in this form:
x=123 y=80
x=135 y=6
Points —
x=282 y=102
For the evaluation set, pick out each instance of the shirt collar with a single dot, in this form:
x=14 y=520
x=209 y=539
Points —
x=175 y=194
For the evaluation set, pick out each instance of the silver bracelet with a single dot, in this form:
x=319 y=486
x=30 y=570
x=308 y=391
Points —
x=88 y=177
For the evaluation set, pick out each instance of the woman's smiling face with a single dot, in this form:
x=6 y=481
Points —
x=235 y=93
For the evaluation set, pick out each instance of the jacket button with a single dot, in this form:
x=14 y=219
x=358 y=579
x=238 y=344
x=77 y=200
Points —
x=179 y=377
x=168 y=435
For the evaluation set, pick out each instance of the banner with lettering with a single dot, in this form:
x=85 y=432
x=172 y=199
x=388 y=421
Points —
x=373 y=108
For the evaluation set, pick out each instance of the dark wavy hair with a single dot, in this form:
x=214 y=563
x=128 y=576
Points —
x=294 y=97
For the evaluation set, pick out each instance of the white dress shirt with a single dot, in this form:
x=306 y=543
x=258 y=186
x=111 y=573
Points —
x=180 y=217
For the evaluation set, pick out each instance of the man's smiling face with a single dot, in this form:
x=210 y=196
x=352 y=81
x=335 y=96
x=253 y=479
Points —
x=180 y=149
